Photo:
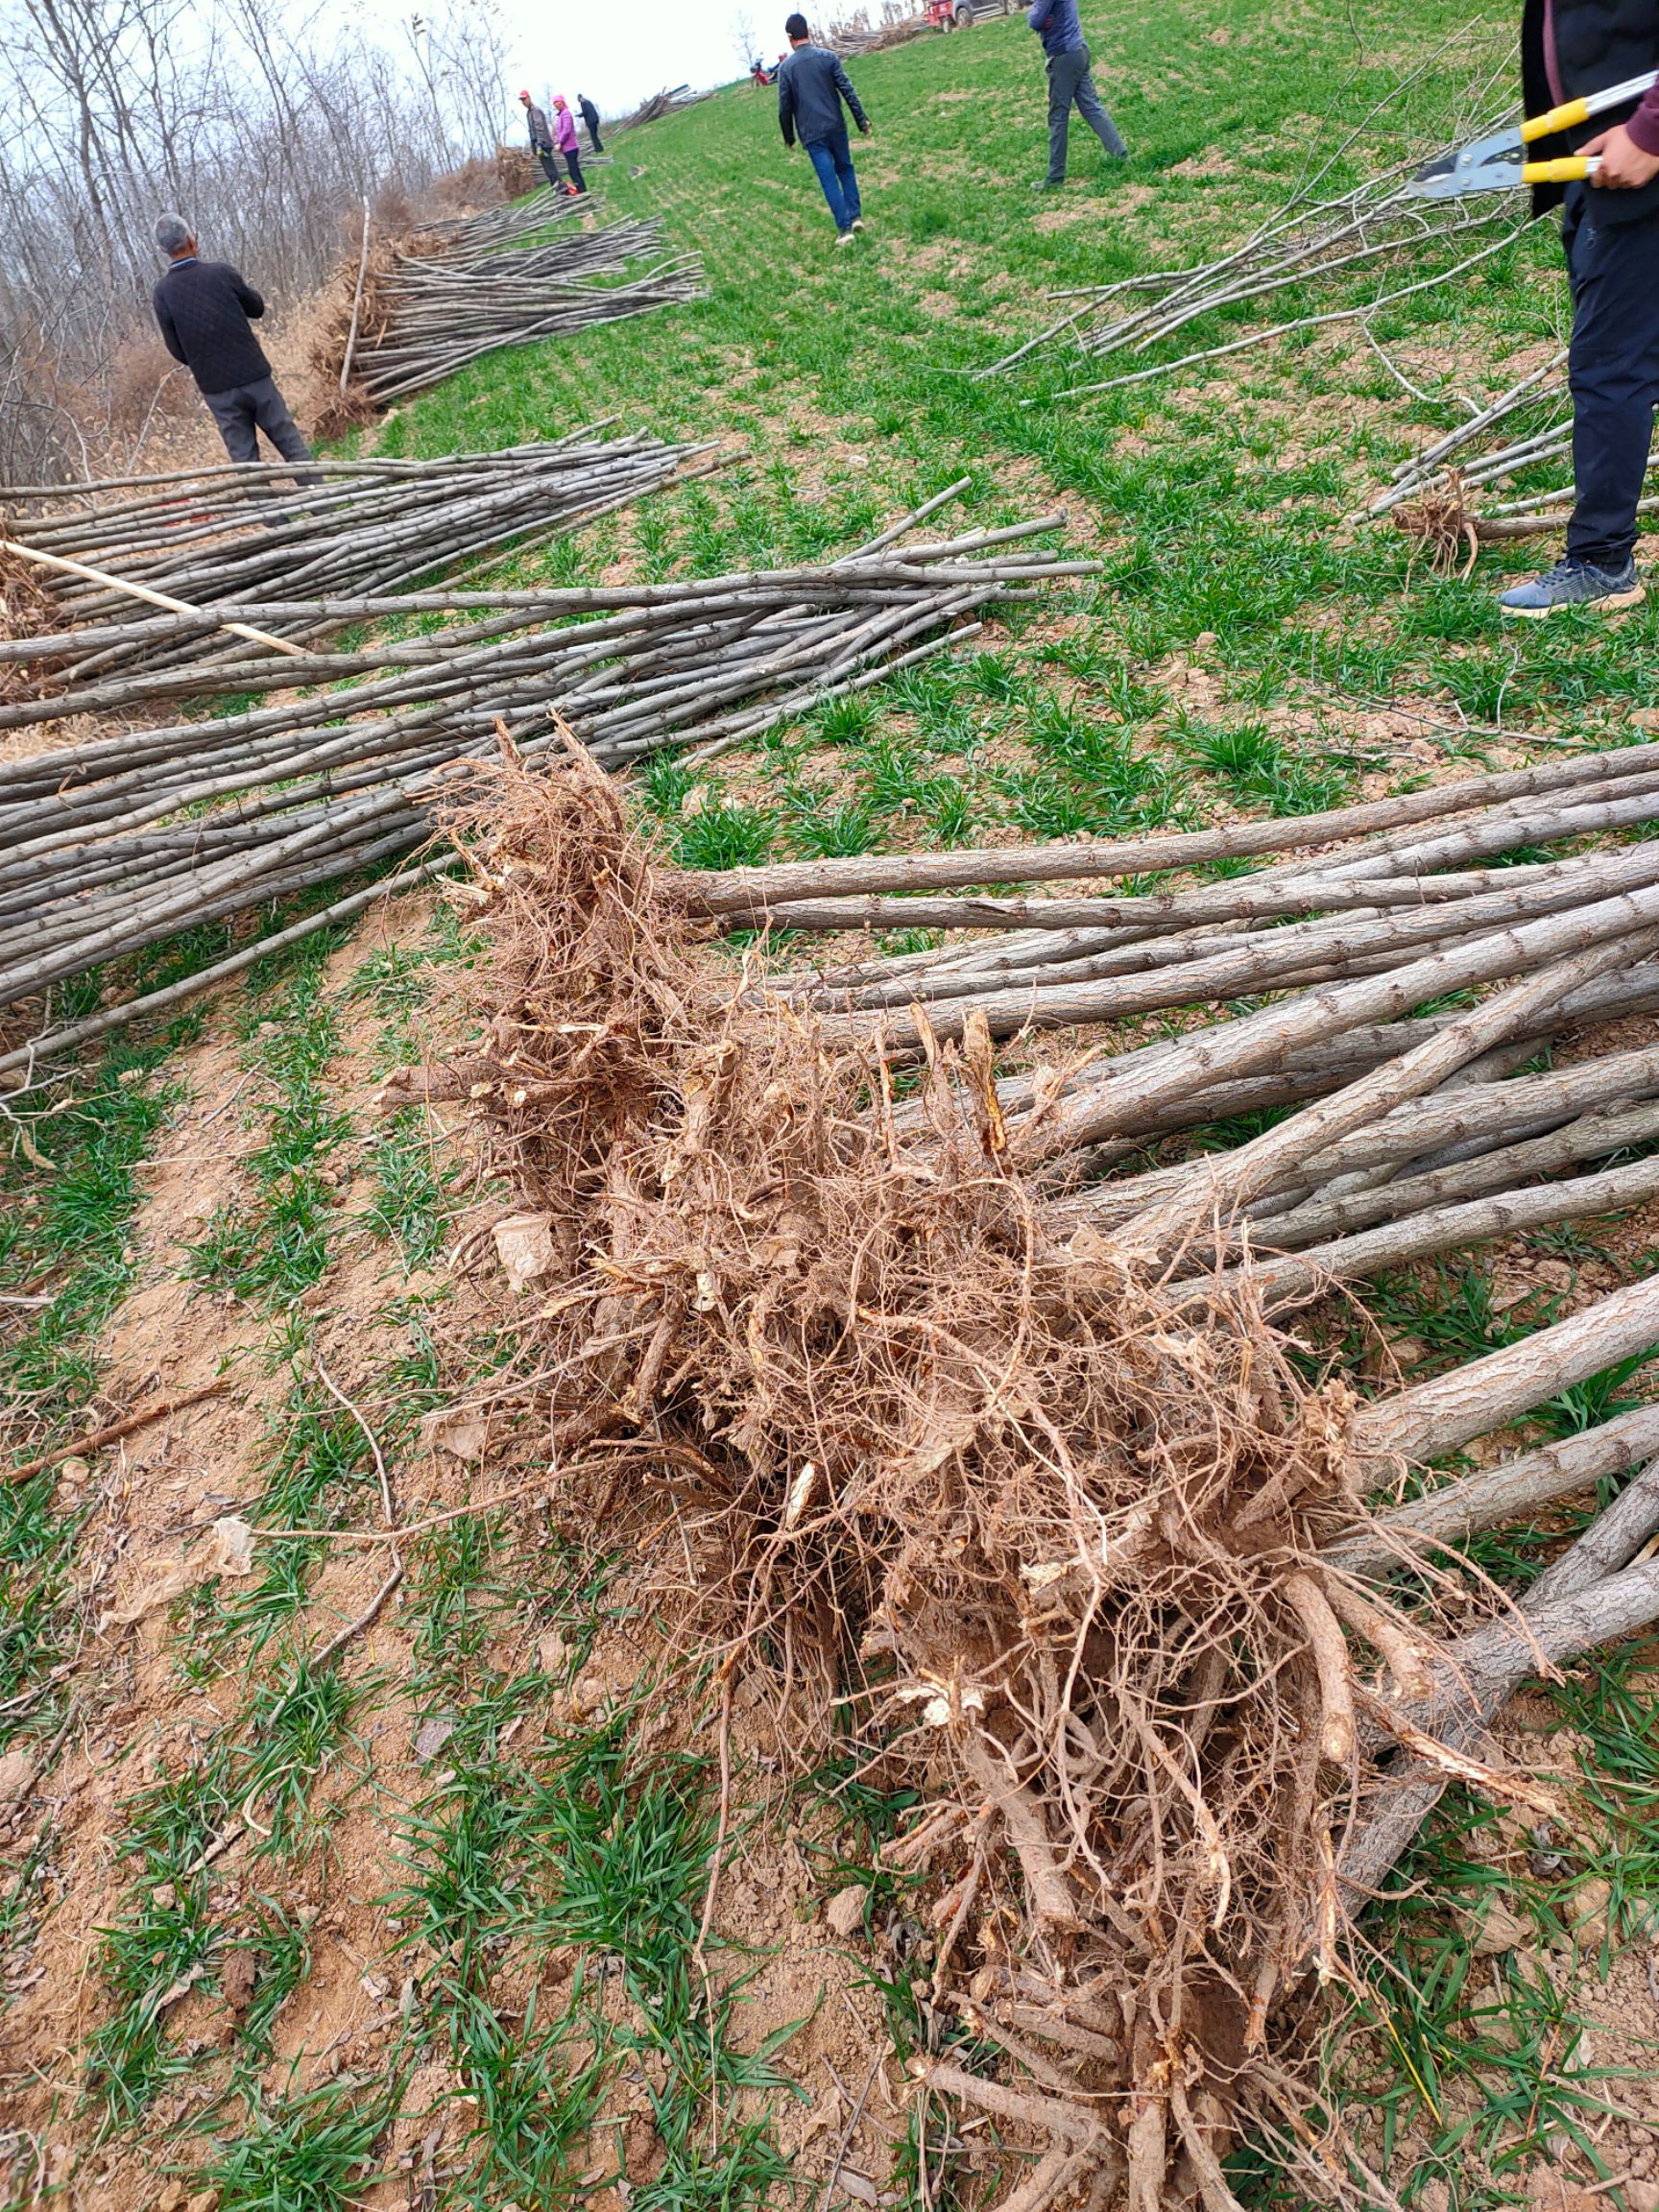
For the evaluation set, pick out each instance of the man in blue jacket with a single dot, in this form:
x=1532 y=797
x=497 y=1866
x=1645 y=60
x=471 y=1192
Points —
x=1055 y=22
x=811 y=85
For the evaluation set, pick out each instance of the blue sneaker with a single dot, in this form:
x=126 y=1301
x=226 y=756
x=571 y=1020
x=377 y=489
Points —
x=1574 y=582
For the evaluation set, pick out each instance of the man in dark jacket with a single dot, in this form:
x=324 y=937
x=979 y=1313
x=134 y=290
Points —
x=1610 y=228
x=541 y=143
x=1055 y=22
x=203 y=308
x=590 y=116
x=812 y=86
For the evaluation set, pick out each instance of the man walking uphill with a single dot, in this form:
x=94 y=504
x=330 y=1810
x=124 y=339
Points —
x=204 y=309
x=1610 y=228
x=590 y=116
x=1055 y=22
x=811 y=85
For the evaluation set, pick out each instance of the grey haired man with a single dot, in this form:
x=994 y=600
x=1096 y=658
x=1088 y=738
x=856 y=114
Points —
x=205 y=310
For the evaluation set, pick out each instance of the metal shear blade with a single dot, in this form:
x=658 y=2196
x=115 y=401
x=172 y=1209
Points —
x=1487 y=165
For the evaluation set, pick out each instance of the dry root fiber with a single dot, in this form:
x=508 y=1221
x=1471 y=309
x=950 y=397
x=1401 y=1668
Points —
x=27 y=607
x=1440 y=524
x=1051 y=1540
x=347 y=410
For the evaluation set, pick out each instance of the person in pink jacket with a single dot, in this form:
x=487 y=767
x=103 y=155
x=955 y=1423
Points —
x=565 y=139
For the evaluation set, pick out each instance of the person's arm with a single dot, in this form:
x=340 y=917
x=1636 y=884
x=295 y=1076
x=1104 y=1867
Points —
x=248 y=299
x=786 y=107
x=1643 y=125
x=1038 y=13
x=1630 y=151
x=165 y=322
x=844 y=85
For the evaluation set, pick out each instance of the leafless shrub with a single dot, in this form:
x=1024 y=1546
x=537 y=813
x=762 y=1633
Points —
x=483 y=180
x=518 y=171
x=141 y=384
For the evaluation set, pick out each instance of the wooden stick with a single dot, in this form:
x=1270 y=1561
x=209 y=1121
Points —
x=750 y=892
x=1497 y=1494
x=112 y=1431
x=356 y=302
x=1435 y=1417
x=134 y=590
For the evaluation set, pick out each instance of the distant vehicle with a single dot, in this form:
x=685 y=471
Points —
x=962 y=14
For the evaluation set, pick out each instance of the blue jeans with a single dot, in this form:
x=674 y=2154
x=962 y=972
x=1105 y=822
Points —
x=832 y=160
x=1613 y=373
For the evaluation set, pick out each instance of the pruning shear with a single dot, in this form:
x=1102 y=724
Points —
x=1500 y=162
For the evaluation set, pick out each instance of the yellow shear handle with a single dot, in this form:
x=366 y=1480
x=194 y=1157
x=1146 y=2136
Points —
x=1571 y=171
x=1557 y=119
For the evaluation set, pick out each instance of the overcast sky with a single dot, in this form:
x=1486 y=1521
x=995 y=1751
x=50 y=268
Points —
x=619 y=51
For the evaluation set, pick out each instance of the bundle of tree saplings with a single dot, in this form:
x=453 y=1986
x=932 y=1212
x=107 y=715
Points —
x=102 y=555
x=1469 y=451
x=113 y=846
x=667 y=102
x=419 y=317
x=1377 y=232
x=463 y=237
x=1041 y=1502
x=1366 y=913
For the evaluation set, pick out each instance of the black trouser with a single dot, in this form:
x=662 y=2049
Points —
x=247 y=409
x=1613 y=373
x=575 y=168
x=550 y=170
x=593 y=139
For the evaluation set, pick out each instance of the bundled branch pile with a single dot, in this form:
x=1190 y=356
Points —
x=113 y=846
x=1368 y=912
x=1376 y=229
x=215 y=536
x=668 y=101
x=423 y=316
x=859 y=36
x=1027 y=1477
x=1378 y=242
x=463 y=237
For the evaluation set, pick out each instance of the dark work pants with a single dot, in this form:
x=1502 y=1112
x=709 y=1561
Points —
x=1613 y=372
x=575 y=168
x=1068 y=82
x=594 y=140
x=247 y=409
x=550 y=170
x=832 y=160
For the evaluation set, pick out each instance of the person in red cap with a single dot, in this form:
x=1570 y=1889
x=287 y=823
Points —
x=541 y=143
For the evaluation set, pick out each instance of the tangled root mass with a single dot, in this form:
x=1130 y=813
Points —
x=1046 y=1537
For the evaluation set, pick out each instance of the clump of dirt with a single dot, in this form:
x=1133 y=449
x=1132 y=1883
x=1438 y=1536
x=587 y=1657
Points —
x=1041 y=1536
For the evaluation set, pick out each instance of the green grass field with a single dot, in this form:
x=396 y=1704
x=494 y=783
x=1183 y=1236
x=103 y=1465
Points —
x=1243 y=644
x=1243 y=648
